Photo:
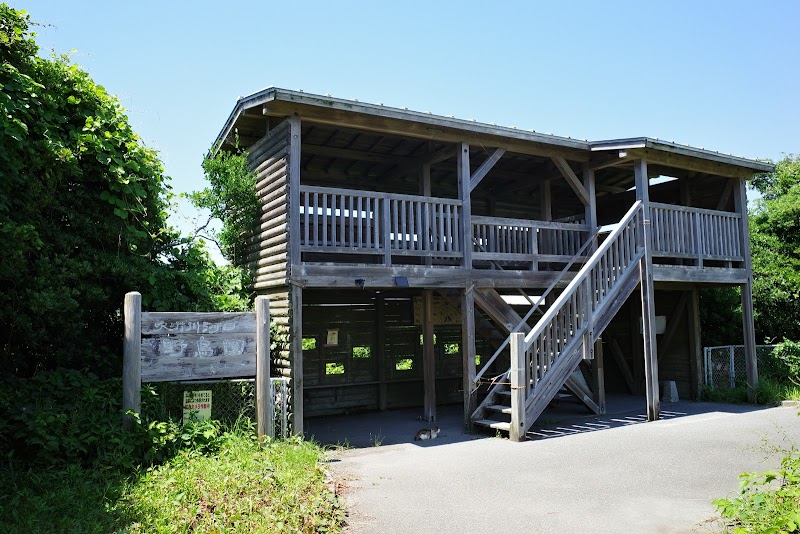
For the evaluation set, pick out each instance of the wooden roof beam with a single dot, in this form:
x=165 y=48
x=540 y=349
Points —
x=485 y=167
x=517 y=141
x=572 y=179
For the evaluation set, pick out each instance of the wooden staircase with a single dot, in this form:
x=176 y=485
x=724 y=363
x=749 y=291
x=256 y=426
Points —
x=546 y=358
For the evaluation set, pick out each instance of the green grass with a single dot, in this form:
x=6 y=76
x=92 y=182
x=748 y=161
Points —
x=769 y=392
x=241 y=488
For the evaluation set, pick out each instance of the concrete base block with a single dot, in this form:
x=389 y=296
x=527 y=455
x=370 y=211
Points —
x=669 y=391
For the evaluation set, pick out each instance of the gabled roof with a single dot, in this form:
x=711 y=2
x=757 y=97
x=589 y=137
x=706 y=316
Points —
x=377 y=117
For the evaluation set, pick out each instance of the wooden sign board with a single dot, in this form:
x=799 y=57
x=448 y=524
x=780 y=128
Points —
x=197 y=346
x=444 y=313
x=163 y=347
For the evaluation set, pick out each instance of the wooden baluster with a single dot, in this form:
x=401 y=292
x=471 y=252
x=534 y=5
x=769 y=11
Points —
x=360 y=231
x=698 y=238
x=325 y=218
x=305 y=218
x=418 y=230
x=387 y=230
x=457 y=231
x=341 y=221
x=351 y=217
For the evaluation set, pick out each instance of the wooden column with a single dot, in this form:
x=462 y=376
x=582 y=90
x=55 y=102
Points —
x=294 y=195
x=518 y=387
x=590 y=348
x=695 y=345
x=132 y=356
x=296 y=350
x=265 y=400
x=428 y=357
x=648 y=297
x=598 y=377
x=637 y=352
x=425 y=190
x=465 y=225
x=468 y=354
x=740 y=202
x=380 y=345
x=546 y=209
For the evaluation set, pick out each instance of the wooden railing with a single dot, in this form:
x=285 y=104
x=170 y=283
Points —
x=569 y=314
x=543 y=360
x=365 y=222
x=520 y=240
x=694 y=233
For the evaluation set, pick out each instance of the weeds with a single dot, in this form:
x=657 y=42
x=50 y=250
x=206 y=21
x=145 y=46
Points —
x=241 y=487
x=768 y=501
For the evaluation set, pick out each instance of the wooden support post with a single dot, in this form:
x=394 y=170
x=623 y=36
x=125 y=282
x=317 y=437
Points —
x=296 y=350
x=380 y=342
x=465 y=224
x=590 y=208
x=468 y=354
x=546 y=214
x=648 y=296
x=751 y=365
x=637 y=354
x=425 y=190
x=428 y=356
x=598 y=377
x=518 y=387
x=695 y=345
x=590 y=212
x=265 y=399
x=294 y=194
x=132 y=356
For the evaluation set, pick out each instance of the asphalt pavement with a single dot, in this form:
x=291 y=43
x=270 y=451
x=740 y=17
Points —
x=611 y=473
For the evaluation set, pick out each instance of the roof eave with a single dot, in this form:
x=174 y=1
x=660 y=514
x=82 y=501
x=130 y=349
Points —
x=636 y=143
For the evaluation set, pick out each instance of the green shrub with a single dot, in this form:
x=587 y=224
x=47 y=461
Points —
x=768 y=392
x=68 y=417
x=767 y=502
x=786 y=358
x=83 y=219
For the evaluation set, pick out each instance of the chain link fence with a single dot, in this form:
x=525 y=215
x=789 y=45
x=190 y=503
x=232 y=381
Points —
x=231 y=401
x=724 y=367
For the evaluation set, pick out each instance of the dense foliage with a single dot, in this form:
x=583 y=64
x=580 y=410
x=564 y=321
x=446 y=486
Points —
x=83 y=218
x=775 y=237
x=231 y=199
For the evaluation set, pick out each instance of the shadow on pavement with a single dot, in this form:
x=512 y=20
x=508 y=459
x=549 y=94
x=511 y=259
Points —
x=393 y=427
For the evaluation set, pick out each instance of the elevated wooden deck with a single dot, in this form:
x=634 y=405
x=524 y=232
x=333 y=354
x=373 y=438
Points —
x=351 y=238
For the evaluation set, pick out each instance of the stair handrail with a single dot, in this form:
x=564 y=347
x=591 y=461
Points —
x=582 y=275
x=535 y=306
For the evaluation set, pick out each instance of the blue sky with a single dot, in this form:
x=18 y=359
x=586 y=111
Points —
x=721 y=75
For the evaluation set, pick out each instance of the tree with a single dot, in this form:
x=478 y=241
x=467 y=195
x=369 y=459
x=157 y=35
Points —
x=775 y=237
x=83 y=217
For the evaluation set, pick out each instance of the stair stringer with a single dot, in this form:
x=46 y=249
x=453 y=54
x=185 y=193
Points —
x=561 y=370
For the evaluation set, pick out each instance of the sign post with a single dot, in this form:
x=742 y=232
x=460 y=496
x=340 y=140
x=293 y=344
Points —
x=178 y=347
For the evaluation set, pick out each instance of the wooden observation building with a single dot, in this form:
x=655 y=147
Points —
x=413 y=259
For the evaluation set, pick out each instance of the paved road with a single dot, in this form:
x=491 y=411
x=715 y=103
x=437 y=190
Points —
x=628 y=477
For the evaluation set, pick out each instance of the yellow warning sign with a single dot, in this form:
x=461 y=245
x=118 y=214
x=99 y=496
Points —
x=196 y=406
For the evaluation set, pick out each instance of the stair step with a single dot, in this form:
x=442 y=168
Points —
x=504 y=393
x=502 y=408
x=496 y=425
